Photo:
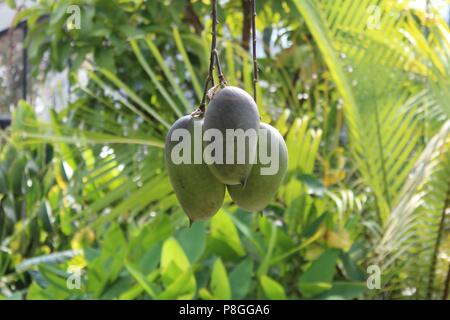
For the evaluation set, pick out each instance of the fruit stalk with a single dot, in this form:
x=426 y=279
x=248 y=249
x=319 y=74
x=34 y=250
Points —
x=219 y=69
x=255 y=63
x=210 y=77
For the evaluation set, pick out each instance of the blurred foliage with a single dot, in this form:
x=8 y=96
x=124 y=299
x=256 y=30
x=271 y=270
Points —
x=363 y=107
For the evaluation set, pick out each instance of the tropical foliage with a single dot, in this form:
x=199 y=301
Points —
x=359 y=90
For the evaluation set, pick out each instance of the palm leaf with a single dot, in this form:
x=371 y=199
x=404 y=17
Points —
x=383 y=118
x=415 y=229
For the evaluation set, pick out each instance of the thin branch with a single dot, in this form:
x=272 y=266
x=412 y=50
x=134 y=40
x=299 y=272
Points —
x=219 y=69
x=210 y=77
x=437 y=244
x=446 y=285
x=381 y=151
x=255 y=63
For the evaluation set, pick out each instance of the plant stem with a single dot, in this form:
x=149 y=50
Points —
x=381 y=154
x=210 y=77
x=255 y=63
x=437 y=245
x=446 y=285
x=219 y=69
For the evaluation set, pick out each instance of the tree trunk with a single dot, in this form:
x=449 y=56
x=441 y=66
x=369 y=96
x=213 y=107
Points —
x=192 y=18
x=247 y=24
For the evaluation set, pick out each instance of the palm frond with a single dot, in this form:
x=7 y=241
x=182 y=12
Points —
x=385 y=121
x=415 y=229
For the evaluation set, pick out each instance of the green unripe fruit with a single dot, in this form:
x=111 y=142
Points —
x=198 y=191
x=260 y=188
x=233 y=108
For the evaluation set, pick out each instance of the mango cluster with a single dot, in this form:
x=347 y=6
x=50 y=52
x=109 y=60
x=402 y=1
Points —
x=200 y=187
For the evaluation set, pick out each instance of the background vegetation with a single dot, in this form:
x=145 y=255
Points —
x=360 y=91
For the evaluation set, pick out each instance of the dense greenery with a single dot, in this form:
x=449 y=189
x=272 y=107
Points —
x=360 y=94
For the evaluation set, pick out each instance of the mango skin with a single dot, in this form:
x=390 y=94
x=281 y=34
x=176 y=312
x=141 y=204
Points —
x=232 y=108
x=197 y=190
x=260 y=189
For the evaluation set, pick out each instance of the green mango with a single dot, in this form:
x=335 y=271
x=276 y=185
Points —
x=197 y=190
x=232 y=108
x=261 y=188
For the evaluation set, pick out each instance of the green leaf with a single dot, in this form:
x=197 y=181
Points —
x=140 y=278
x=271 y=239
x=319 y=276
x=314 y=186
x=193 y=240
x=165 y=68
x=182 y=50
x=415 y=229
x=133 y=96
x=154 y=189
x=313 y=227
x=321 y=35
x=104 y=58
x=105 y=267
x=204 y=294
x=5 y=261
x=58 y=14
x=44 y=214
x=55 y=281
x=53 y=258
x=16 y=174
x=3 y=186
x=182 y=288
x=220 y=285
x=352 y=270
x=272 y=289
x=173 y=261
x=145 y=248
x=224 y=239
x=240 y=279
x=132 y=32
x=344 y=290
x=137 y=51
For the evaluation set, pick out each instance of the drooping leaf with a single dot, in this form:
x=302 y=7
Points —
x=319 y=276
